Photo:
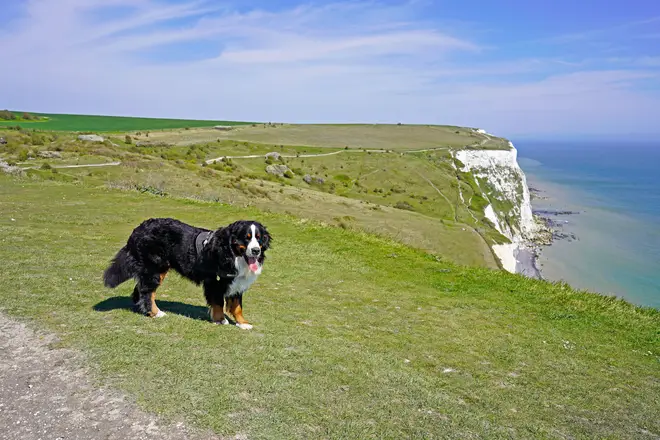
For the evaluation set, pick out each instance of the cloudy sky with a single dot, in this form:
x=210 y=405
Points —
x=513 y=67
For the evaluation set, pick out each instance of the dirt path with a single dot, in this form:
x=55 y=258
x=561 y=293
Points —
x=332 y=153
x=45 y=393
x=451 y=205
x=108 y=164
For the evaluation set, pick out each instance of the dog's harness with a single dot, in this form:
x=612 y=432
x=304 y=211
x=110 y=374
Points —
x=201 y=241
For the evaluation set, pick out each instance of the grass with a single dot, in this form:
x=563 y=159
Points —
x=355 y=336
x=366 y=187
x=369 y=136
x=98 y=123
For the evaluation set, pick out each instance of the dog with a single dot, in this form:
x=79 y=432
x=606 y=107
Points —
x=226 y=262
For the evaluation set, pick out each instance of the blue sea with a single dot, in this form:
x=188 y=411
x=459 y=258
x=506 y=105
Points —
x=615 y=188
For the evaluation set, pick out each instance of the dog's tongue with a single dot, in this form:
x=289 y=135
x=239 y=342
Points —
x=254 y=266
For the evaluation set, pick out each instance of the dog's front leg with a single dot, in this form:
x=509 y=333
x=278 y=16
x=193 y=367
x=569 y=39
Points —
x=235 y=306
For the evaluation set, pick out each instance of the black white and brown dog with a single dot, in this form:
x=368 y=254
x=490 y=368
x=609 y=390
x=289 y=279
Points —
x=225 y=261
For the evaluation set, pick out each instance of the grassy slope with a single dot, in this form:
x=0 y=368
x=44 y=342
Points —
x=337 y=317
x=365 y=186
x=63 y=122
x=370 y=136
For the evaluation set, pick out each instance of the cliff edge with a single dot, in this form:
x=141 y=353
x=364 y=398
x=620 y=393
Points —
x=503 y=186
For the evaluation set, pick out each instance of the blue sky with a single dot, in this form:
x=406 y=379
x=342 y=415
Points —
x=515 y=68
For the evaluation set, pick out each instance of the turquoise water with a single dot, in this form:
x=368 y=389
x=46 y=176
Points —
x=616 y=189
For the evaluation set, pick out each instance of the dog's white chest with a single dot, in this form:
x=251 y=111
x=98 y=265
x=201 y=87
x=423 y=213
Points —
x=244 y=279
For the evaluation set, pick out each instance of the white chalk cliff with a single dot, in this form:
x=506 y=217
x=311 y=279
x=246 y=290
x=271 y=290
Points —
x=505 y=186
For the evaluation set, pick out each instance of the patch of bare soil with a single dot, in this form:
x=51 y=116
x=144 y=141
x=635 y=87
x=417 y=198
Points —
x=46 y=393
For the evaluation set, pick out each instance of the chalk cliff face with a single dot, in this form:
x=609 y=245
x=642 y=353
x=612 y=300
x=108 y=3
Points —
x=504 y=185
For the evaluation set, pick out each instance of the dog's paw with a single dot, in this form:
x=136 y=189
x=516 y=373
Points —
x=245 y=326
x=160 y=314
x=223 y=322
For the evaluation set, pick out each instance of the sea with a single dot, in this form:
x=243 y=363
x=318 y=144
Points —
x=604 y=198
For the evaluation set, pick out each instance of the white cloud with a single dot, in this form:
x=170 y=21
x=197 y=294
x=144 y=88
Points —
x=357 y=61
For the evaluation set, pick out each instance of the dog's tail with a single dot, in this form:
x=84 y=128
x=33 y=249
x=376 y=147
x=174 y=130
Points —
x=122 y=268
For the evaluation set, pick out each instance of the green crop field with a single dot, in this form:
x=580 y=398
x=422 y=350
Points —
x=84 y=123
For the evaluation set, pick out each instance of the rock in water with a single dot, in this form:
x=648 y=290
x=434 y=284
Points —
x=91 y=138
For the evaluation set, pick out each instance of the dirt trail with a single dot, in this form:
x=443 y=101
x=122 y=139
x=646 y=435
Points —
x=332 y=153
x=107 y=164
x=45 y=393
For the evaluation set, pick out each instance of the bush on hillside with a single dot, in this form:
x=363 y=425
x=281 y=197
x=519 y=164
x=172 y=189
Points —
x=23 y=155
x=6 y=115
x=404 y=205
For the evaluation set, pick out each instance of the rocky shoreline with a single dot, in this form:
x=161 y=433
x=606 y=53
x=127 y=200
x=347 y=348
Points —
x=551 y=228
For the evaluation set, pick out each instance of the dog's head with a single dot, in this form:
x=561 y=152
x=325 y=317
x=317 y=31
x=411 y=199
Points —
x=248 y=240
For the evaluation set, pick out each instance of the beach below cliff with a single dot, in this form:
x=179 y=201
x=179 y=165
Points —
x=593 y=248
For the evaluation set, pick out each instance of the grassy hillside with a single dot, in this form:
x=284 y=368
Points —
x=355 y=336
x=370 y=136
x=85 y=123
x=414 y=198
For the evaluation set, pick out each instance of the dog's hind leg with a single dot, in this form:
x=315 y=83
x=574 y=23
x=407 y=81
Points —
x=144 y=294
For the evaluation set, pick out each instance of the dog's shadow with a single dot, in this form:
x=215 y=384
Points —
x=175 y=307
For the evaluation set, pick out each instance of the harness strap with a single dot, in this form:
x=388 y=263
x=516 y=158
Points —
x=202 y=240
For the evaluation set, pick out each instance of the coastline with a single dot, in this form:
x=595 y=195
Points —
x=551 y=222
x=592 y=248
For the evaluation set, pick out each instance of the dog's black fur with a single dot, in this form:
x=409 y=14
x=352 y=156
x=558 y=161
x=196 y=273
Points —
x=160 y=244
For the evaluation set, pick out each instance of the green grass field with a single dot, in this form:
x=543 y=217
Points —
x=91 y=123
x=355 y=336
x=370 y=136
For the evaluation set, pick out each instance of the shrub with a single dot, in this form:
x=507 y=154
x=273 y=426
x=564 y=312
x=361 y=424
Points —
x=37 y=139
x=23 y=155
x=7 y=115
x=46 y=166
x=288 y=174
x=128 y=139
x=404 y=205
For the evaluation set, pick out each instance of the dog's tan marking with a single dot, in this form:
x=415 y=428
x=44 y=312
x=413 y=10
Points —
x=154 y=309
x=236 y=310
x=217 y=313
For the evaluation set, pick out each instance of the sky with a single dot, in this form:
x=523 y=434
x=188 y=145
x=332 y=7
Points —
x=511 y=67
